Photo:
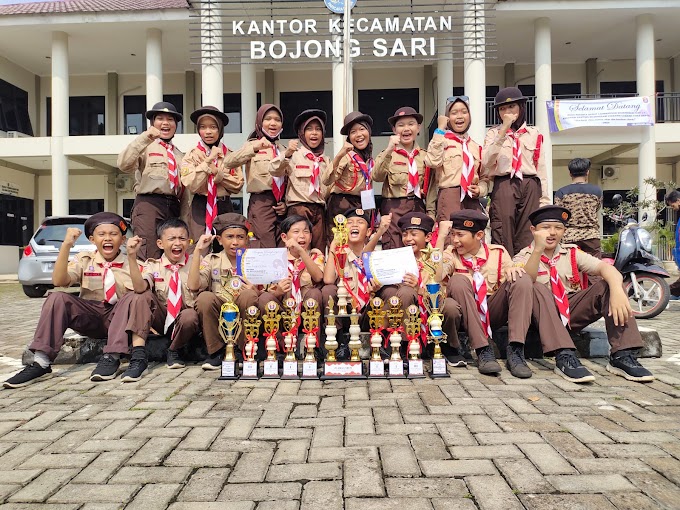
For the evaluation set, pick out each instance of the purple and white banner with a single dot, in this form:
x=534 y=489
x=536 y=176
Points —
x=620 y=111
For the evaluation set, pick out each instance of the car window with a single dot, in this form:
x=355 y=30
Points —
x=53 y=235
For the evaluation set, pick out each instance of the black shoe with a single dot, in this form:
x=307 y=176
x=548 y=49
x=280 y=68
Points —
x=428 y=351
x=342 y=353
x=138 y=365
x=30 y=374
x=214 y=361
x=106 y=369
x=569 y=366
x=486 y=361
x=174 y=360
x=516 y=363
x=625 y=364
x=453 y=357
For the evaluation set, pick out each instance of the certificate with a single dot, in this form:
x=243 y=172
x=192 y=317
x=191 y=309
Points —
x=261 y=266
x=388 y=267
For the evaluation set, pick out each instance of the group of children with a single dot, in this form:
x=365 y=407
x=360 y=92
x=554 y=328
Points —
x=171 y=278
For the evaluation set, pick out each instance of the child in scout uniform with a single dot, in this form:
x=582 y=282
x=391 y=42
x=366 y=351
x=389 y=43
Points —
x=405 y=170
x=266 y=206
x=104 y=279
x=513 y=158
x=211 y=171
x=304 y=166
x=350 y=174
x=217 y=273
x=559 y=268
x=491 y=292
x=155 y=162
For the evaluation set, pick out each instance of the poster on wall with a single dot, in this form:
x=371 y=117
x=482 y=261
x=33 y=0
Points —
x=616 y=112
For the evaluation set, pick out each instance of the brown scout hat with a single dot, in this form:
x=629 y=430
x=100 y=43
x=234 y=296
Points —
x=352 y=118
x=209 y=110
x=470 y=220
x=550 y=213
x=508 y=95
x=418 y=220
x=405 y=111
x=230 y=220
x=104 y=218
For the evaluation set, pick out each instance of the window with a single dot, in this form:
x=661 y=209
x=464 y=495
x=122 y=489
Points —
x=16 y=220
x=127 y=207
x=85 y=116
x=292 y=103
x=566 y=90
x=624 y=88
x=134 y=108
x=86 y=206
x=382 y=103
x=14 y=109
x=232 y=107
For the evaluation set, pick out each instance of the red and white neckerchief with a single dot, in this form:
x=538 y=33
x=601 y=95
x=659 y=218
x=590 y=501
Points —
x=173 y=177
x=468 y=171
x=366 y=167
x=362 y=294
x=557 y=287
x=413 y=176
x=278 y=183
x=315 y=182
x=110 y=295
x=174 y=303
x=211 y=203
x=479 y=287
x=295 y=271
x=516 y=170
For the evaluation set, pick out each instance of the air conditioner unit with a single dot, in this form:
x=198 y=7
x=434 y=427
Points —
x=123 y=184
x=610 y=172
x=17 y=134
x=3 y=134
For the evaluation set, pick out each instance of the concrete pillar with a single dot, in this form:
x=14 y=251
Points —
x=592 y=86
x=154 y=67
x=212 y=83
x=429 y=101
x=248 y=96
x=37 y=99
x=646 y=87
x=60 y=118
x=543 y=59
x=444 y=79
x=111 y=116
x=509 y=74
x=474 y=66
x=338 y=76
x=189 y=94
x=269 y=87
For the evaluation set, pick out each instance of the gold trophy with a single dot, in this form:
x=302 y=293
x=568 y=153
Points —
x=433 y=302
x=310 y=321
x=271 y=320
x=412 y=325
x=341 y=238
x=291 y=323
x=334 y=369
x=331 y=343
x=229 y=327
x=251 y=329
x=376 y=319
x=395 y=317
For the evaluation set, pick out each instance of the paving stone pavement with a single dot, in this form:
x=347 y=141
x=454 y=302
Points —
x=183 y=440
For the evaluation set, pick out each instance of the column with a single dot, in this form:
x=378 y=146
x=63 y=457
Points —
x=444 y=78
x=60 y=115
x=154 y=67
x=509 y=74
x=591 y=77
x=248 y=96
x=338 y=70
x=646 y=87
x=212 y=80
x=543 y=59
x=189 y=95
x=474 y=65
x=112 y=104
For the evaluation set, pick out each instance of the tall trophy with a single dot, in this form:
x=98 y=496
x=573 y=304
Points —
x=412 y=325
x=291 y=323
x=229 y=327
x=341 y=238
x=334 y=369
x=251 y=330
x=310 y=322
x=395 y=317
x=271 y=320
x=376 y=319
x=433 y=302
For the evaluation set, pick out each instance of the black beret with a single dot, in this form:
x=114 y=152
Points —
x=550 y=213
x=470 y=220
x=104 y=218
x=358 y=213
x=417 y=220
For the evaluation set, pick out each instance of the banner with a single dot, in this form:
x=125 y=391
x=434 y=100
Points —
x=620 y=111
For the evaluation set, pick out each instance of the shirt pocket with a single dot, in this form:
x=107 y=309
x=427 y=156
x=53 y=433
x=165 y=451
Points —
x=157 y=166
x=398 y=175
x=92 y=281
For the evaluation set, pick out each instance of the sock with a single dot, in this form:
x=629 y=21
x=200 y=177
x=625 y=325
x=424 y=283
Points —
x=41 y=359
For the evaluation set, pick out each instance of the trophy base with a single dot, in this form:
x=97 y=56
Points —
x=228 y=371
x=415 y=369
x=376 y=369
x=249 y=371
x=439 y=368
x=343 y=370
x=396 y=369
x=271 y=369
x=309 y=370
x=290 y=370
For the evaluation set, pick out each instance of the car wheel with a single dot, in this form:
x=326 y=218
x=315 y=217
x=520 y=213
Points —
x=34 y=291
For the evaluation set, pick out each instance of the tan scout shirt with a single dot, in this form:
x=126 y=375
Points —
x=229 y=178
x=585 y=263
x=448 y=174
x=351 y=272
x=155 y=272
x=497 y=157
x=299 y=171
x=493 y=270
x=148 y=160
x=259 y=178
x=347 y=178
x=213 y=267
x=86 y=270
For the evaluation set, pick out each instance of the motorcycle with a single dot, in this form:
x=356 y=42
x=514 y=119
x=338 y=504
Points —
x=644 y=278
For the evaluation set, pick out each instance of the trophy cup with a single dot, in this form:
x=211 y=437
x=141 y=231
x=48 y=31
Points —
x=310 y=320
x=376 y=319
x=251 y=329
x=291 y=322
x=433 y=301
x=334 y=369
x=341 y=238
x=395 y=317
x=229 y=328
x=271 y=321
x=412 y=325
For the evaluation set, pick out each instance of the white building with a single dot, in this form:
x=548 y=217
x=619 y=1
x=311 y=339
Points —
x=76 y=78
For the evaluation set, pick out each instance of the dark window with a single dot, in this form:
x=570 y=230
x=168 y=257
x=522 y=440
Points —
x=85 y=206
x=85 y=116
x=292 y=103
x=566 y=89
x=127 y=207
x=491 y=91
x=527 y=90
x=134 y=108
x=16 y=220
x=232 y=107
x=624 y=88
x=14 y=109
x=381 y=105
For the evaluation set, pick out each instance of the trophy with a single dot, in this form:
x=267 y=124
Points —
x=334 y=369
x=229 y=328
x=395 y=316
x=412 y=325
x=341 y=238
x=251 y=329
x=291 y=322
x=310 y=320
x=376 y=319
x=434 y=324
x=271 y=327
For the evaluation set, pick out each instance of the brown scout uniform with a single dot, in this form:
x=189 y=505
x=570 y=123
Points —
x=345 y=185
x=155 y=201
x=264 y=222
x=87 y=313
x=585 y=305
